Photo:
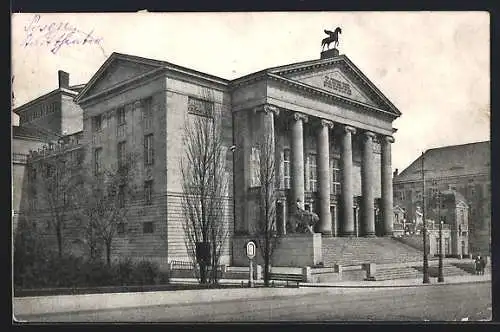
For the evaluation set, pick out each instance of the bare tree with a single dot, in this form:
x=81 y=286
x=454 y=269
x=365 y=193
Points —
x=52 y=181
x=102 y=203
x=205 y=185
x=265 y=230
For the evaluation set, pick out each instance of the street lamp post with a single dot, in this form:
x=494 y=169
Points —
x=440 y=272
x=424 y=226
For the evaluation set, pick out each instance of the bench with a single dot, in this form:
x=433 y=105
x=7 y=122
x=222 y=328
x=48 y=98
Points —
x=180 y=265
x=189 y=266
x=295 y=278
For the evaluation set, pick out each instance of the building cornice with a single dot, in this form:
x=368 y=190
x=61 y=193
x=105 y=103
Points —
x=24 y=107
x=329 y=95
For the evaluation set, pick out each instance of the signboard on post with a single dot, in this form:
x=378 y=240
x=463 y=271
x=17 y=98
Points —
x=250 y=250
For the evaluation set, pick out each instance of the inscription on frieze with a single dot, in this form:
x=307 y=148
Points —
x=334 y=84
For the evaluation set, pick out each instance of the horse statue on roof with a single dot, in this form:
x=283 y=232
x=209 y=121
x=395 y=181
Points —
x=333 y=37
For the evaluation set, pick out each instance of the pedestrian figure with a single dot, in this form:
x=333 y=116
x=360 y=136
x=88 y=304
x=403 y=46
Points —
x=482 y=264
x=477 y=265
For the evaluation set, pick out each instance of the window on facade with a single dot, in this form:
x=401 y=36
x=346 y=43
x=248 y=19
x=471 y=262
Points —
x=200 y=107
x=120 y=228
x=147 y=113
x=97 y=123
x=313 y=175
x=121 y=196
x=148 y=150
x=97 y=161
x=49 y=169
x=121 y=152
x=120 y=114
x=148 y=227
x=286 y=168
x=336 y=187
x=148 y=192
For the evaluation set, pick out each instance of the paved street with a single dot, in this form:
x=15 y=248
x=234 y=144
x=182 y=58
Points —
x=441 y=302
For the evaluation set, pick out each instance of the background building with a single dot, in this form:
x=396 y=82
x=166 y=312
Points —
x=43 y=120
x=463 y=170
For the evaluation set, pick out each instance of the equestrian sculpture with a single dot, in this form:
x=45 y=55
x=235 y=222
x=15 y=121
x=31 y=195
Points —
x=302 y=221
x=333 y=37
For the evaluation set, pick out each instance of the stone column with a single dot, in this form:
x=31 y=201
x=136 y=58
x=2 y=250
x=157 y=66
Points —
x=347 y=187
x=266 y=141
x=298 y=157
x=386 y=177
x=325 y=217
x=367 y=182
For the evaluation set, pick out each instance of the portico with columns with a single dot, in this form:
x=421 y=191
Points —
x=332 y=134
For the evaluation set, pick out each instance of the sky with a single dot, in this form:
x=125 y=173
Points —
x=433 y=66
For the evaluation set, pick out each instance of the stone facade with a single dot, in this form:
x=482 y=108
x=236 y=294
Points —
x=331 y=130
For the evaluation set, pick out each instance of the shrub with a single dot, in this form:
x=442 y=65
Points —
x=69 y=271
x=146 y=273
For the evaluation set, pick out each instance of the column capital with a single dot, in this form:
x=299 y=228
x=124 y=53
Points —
x=349 y=129
x=300 y=116
x=266 y=109
x=388 y=139
x=326 y=123
x=369 y=134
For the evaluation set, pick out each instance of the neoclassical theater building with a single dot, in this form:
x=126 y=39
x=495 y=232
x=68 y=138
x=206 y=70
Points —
x=331 y=127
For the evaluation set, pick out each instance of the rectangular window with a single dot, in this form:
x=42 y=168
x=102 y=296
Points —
x=97 y=123
x=148 y=150
x=120 y=228
x=148 y=192
x=148 y=227
x=121 y=152
x=120 y=115
x=336 y=186
x=121 y=196
x=49 y=170
x=147 y=113
x=200 y=107
x=313 y=175
x=286 y=168
x=97 y=161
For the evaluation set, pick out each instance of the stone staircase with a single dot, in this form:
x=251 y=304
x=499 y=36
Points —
x=403 y=272
x=356 y=251
x=448 y=270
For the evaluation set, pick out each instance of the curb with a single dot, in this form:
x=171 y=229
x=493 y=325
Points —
x=166 y=305
x=394 y=286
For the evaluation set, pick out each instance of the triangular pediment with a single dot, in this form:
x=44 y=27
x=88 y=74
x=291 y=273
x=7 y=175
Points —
x=336 y=81
x=338 y=76
x=118 y=72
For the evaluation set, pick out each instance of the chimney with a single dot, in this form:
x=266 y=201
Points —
x=332 y=53
x=63 y=79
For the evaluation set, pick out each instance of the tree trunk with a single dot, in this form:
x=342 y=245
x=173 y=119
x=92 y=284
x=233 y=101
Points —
x=203 y=273
x=59 y=239
x=108 y=253
x=266 y=263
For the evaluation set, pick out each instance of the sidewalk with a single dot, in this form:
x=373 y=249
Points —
x=89 y=302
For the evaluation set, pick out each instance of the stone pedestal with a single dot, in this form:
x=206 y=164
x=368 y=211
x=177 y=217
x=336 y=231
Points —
x=332 y=53
x=292 y=250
